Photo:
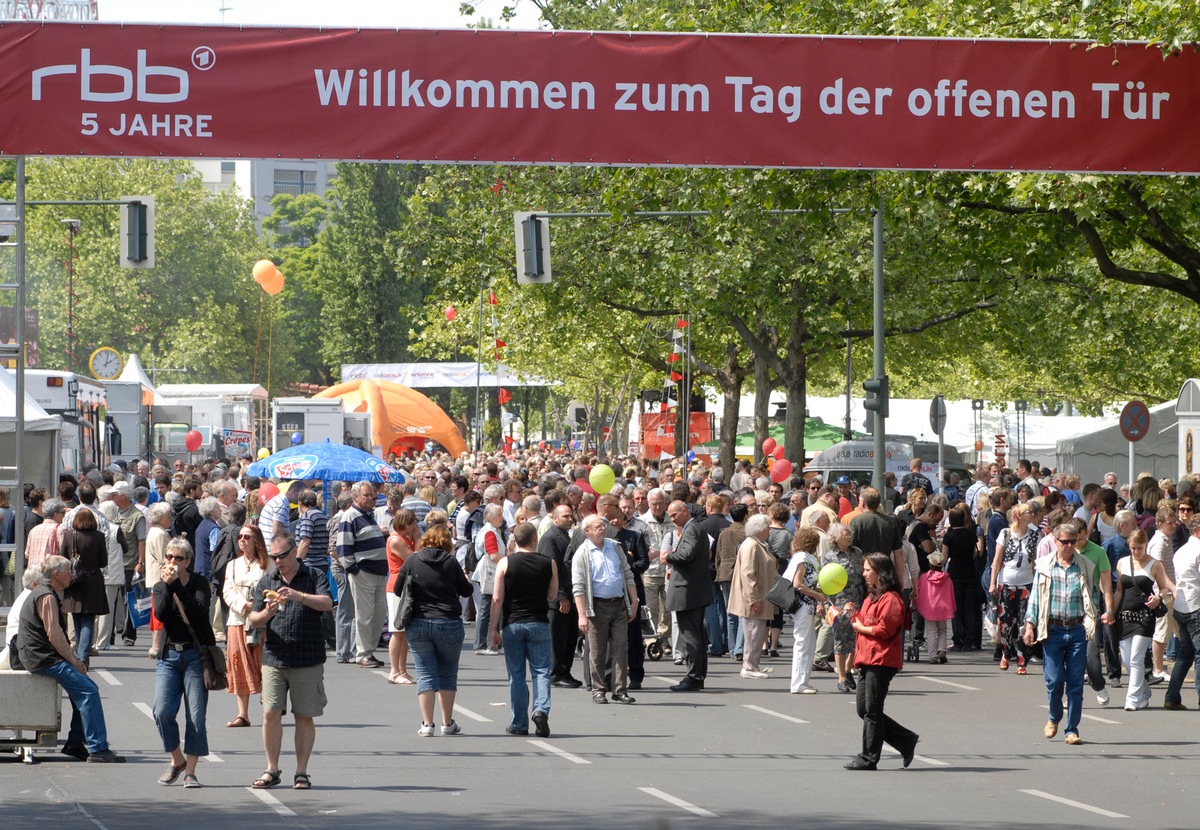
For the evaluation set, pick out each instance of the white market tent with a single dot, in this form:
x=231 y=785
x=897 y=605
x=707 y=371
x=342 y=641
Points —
x=135 y=373
x=1092 y=454
x=42 y=436
x=911 y=417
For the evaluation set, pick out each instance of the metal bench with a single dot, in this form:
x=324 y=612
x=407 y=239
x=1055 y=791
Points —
x=30 y=710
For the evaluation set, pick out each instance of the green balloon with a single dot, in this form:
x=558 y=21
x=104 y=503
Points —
x=832 y=579
x=602 y=479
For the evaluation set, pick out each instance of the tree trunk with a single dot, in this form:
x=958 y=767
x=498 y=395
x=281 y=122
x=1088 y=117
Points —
x=731 y=380
x=762 y=402
x=796 y=384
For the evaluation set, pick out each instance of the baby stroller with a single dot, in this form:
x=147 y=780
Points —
x=650 y=636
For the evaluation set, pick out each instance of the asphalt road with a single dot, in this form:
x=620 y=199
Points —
x=741 y=753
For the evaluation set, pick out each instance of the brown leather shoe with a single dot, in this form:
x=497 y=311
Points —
x=1051 y=729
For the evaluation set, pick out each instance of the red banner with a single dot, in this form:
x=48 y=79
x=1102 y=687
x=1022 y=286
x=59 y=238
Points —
x=658 y=432
x=479 y=96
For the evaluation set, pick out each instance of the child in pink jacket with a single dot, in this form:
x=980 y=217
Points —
x=935 y=601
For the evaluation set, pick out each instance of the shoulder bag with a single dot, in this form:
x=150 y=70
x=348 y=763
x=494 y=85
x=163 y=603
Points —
x=405 y=609
x=212 y=659
x=784 y=595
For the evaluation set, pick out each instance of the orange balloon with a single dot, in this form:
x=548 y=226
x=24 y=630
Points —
x=275 y=285
x=264 y=269
x=978 y=446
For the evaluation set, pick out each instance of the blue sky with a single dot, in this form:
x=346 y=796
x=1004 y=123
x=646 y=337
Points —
x=391 y=14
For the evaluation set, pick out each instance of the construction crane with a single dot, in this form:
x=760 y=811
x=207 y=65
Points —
x=48 y=10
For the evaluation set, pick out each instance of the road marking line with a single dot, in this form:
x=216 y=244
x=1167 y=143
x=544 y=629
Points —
x=109 y=677
x=1092 y=717
x=271 y=801
x=1077 y=804
x=947 y=683
x=385 y=675
x=145 y=710
x=562 y=753
x=933 y=762
x=670 y=681
x=214 y=758
x=678 y=802
x=471 y=715
x=773 y=713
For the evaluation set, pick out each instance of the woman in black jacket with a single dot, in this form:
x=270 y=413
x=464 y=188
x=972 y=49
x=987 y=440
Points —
x=435 y=629
x=179 y=674
x=86 y=598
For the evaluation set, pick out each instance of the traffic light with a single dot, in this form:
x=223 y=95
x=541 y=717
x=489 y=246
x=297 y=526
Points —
x=137 y=232
x=533 y=248
x=136 y=243
x=531 y=236
x=877 y=395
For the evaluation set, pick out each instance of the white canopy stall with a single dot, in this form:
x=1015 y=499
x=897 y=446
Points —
x=1092 y=454
x=41 y=456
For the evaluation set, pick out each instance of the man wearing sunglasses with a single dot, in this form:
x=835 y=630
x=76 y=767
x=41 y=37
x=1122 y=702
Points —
x=293 y=656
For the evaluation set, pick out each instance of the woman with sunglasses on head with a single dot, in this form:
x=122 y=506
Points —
x=243 y=659
x=181 y=602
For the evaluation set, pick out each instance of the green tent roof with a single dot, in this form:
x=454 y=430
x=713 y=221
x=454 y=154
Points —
x=818 y=436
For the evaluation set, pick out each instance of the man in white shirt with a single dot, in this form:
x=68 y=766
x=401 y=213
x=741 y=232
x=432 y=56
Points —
x=1187 y=615
x=606 y=599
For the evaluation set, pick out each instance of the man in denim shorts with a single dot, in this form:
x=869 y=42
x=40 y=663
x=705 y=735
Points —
x=293 y=655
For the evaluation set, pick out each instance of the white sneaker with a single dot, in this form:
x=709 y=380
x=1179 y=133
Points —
x=491 y=652
x=1129 y=707
x=483 y=651
x=1102 y=697
x=426 y=731
x=1161 y=675
x=805 y=690
x=750 y=674
x=451 y=728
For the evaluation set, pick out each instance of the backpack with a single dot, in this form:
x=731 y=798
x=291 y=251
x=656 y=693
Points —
x=474 y=523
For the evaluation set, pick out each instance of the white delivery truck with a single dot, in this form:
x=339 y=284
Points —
x=82 y=402
x=313 y=420
x=225 y=415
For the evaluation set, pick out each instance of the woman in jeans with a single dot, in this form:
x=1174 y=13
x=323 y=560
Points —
x=87 y=548
x=179 y=675
x=435 y=629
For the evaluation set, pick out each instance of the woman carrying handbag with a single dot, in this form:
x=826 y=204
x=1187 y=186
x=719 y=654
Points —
x=181 y=603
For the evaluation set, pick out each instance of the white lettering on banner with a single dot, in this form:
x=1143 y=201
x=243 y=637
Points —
x=334 y=88
x=166 y=125
x=763 y=98
x=90 y=72
x=1137 y=113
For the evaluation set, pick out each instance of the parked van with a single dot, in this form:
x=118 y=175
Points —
x=857 y=460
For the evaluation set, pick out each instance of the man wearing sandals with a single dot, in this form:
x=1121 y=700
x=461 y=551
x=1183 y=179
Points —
x=288 y=604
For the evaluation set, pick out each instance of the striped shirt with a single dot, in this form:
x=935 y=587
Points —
x=360 y=540
x=417 y=505
x=313 y=525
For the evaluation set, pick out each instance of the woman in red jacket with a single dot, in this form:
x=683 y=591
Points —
x=878 y=654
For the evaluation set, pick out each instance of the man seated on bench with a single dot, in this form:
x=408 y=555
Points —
x=44 y=649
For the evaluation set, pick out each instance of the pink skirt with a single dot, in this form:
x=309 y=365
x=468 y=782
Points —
x=243 y=664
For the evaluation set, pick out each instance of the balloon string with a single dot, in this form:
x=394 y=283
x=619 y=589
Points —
x=270 y=340
x=258 y=336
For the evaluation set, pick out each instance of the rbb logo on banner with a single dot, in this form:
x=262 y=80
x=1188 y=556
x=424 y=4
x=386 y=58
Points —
x=88 y=72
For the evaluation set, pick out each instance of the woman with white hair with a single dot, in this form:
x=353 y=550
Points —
x=489 y=547
x=754 y=572
x=114 y=577
x=158 y=519
x=29 y=580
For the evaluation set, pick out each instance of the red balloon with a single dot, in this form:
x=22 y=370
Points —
x=267 y=492
x=451 y=312
x=781 y=471
x=768 y=446
x=778 y=453
x=193 y=440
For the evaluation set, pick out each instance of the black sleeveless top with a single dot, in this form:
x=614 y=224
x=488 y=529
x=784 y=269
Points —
x=526 y=583
x=33 y=643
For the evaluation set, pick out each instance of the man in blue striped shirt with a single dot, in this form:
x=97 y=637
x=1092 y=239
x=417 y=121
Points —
x=362 y=552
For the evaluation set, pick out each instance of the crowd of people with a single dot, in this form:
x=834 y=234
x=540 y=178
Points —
x=1094 y=582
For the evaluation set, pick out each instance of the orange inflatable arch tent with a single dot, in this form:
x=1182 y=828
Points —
x=401 y=417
